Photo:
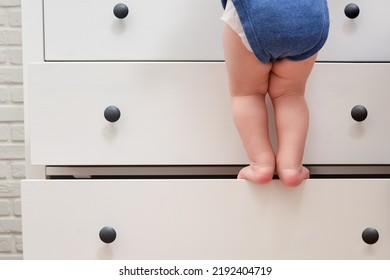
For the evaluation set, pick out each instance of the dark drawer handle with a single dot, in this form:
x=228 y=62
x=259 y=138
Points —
x=352 y=11
x=359 y=113
x=121 y=10
x=370 y=235
x=107 y=234
x=112 y=114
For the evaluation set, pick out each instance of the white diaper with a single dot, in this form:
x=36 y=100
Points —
x=231 y=18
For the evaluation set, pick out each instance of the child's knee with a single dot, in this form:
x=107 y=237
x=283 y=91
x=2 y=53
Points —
x=279 y=88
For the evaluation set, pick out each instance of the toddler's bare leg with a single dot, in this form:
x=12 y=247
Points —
x=287 y=89
x=248 y=83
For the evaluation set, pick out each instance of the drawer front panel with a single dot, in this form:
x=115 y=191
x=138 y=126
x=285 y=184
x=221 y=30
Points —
x=365 y=37
x=191 y=30
x=338 y=133
x=170 y=113
x=152 y=30
x=205 y=219
x=179 y=113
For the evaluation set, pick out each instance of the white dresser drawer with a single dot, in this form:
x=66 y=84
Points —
x=363 y=38
x=170 y=113
x=179 y=113
x=205 y=219
x=191 y=30
x=337 y=132
x=152 y=30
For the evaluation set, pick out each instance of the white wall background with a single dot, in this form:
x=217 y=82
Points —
x=12 y=168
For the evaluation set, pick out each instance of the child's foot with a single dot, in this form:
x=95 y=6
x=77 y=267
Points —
x=257 y=174
x=293 y=177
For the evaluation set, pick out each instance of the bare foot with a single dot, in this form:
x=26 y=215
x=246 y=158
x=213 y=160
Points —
x=293 y=177
x=257 y=174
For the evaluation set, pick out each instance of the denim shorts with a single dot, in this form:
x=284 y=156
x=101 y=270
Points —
x=276 y=29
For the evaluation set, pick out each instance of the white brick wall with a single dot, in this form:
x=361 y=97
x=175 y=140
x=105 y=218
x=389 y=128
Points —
x=12 y=168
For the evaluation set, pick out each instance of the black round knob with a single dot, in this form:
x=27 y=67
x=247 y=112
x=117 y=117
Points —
x=359 y=113
x=112 y=113
x=121 y=10
x=107 y=234
x=370 y=235
x=352 y=11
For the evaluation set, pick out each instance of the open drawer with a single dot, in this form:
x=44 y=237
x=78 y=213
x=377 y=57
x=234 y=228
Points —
x=205 y=219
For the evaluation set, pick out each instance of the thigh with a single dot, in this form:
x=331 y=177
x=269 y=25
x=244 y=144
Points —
x=247 y=75
x=289 y=77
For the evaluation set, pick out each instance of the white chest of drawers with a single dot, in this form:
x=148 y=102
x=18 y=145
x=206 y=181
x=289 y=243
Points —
x=120 y=110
